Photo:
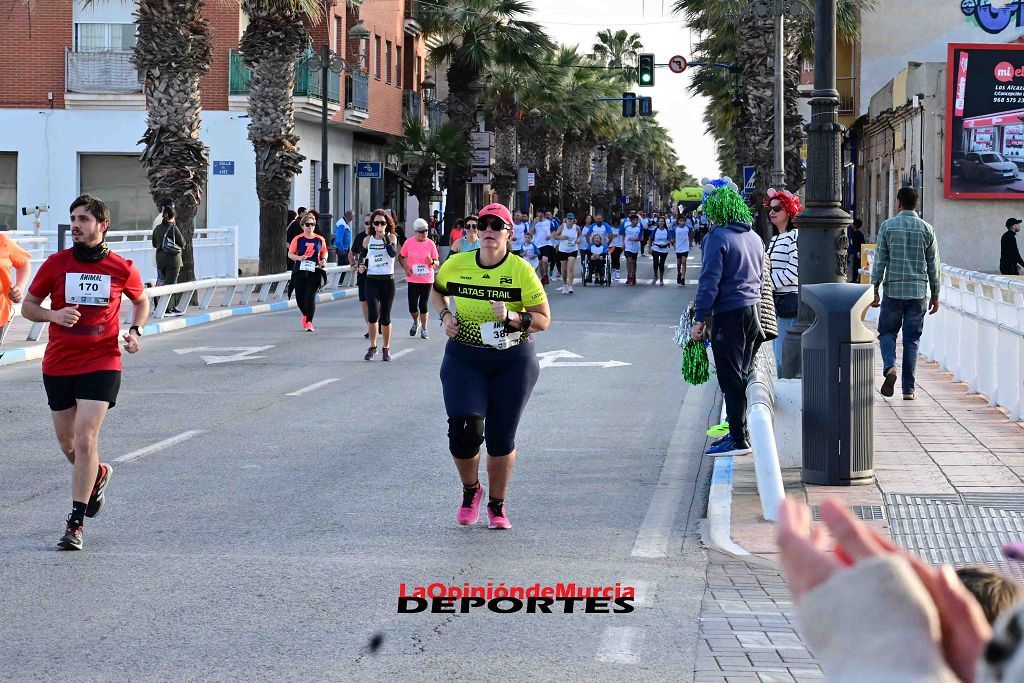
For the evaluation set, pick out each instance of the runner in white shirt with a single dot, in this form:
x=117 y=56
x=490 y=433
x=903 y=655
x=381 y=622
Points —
x=542 y=239
x=568 y=237
x=519 y=233
x=632 y=236
x=661 y=243
x=682 y=239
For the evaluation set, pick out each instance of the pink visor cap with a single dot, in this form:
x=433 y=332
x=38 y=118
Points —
x=499 y=210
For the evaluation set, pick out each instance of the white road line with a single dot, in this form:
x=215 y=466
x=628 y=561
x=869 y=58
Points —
x=401 y=353
x=643 y=591
x=653 y=538
x=159 y=446
x=312 y=387
x=619 y=645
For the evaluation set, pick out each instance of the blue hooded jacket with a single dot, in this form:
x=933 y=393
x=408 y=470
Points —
x=733 y=268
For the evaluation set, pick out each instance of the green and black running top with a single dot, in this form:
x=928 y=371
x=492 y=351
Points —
x=512 y=281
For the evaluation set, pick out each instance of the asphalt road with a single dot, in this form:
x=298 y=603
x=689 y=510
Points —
x=271 y=544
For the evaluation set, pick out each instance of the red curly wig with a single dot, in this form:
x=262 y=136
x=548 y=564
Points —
x=790 y=202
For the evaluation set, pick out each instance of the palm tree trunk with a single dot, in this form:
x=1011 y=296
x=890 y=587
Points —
x=578 y=159
x=504 y=169
x=174 y=49
x=271 y=44
x=461 y=111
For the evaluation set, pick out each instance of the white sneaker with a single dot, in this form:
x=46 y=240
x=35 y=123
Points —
x=616 y=275
x=570 y=290
x=562 y=289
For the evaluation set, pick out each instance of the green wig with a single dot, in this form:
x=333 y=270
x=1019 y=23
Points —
x=725 y=205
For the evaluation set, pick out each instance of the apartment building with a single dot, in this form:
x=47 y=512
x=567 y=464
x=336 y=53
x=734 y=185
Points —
x=72 y=110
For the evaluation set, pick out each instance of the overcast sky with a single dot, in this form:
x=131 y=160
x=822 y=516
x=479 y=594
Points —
x=576 y=22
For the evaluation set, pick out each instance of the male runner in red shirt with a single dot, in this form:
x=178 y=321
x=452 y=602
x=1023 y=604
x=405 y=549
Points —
x=82 y=363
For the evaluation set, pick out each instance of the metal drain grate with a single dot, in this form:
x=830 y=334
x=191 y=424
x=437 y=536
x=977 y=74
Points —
x=865 y=512
x=950 y=529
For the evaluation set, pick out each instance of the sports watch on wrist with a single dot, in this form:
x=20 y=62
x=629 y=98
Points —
x=136 y=329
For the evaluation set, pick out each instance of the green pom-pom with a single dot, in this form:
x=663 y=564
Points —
x=695 y=368
x=727 y=206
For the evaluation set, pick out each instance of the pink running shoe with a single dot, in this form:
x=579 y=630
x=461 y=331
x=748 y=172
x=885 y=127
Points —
x=309 y=326
x=496 y=516
x=303 y=322
x=469 y=511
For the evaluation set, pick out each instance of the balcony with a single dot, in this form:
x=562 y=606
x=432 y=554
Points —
x=357 y=96
x=308 y=89
x=102 y=79
x=412 y=106
x=412 y=19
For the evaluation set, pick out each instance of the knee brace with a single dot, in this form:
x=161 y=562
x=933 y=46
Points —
x=465 y=434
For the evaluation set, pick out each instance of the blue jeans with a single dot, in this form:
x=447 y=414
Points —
x=907 y=314
x=784 y=325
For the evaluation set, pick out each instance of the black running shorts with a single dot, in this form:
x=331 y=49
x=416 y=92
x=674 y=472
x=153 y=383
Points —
x=63 y=391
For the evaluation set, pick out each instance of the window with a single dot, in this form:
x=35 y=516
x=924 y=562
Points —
x=387 y=58
x=9 y=189
x=418 y=76
x=314 y=174
x=120 y=181
x=104 y=37
x=398 y=66
x=338 y=41
x=376 y=56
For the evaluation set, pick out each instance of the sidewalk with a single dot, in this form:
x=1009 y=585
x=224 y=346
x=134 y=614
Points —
x=949 y=486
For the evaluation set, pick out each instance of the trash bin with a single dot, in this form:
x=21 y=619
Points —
x=838 y=396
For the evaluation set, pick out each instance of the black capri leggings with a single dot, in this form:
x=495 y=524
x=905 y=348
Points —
x=380 y=294
x=659 y=262
x=306 y=285
x=616 y=253
x=490 y=383
x=419 y=293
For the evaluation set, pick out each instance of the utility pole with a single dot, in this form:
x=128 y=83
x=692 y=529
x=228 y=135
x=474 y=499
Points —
x=822 y=239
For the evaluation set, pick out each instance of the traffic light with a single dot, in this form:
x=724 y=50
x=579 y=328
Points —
x=645 y=70
x=629 y=104
x=646 y=106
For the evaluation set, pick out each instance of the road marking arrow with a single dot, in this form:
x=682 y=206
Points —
x=240 y=353
x=549 y=359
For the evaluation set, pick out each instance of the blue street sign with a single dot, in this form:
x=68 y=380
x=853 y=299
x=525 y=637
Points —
x=223 y=168
x=748 y=180
x=369 y=169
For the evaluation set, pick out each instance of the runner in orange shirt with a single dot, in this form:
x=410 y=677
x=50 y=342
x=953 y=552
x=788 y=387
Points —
x=11 y=256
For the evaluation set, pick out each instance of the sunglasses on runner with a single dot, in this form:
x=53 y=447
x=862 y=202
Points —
x=309 y=225
x=380 y=222
x=495 y=224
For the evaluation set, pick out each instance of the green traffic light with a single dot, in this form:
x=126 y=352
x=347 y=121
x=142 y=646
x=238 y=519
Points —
x=646 y=78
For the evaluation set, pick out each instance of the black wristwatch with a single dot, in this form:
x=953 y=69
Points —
x=136 y=329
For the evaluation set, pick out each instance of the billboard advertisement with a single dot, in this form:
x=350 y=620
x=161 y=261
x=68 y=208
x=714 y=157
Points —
x=985 y=122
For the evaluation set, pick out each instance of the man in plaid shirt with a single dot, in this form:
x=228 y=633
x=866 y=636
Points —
x=907 y=263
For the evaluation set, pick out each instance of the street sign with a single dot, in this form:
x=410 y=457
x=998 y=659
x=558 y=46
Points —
x=532 y=179
x=481 y=157
x=629 y=104
x=223 y=168
x=646 y=107
x=480 y=176
x=369 y=169
x=749 y=172
x=678 y=64
x=480 y=140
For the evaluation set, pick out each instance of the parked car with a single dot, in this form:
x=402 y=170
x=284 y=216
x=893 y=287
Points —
x=988 y=167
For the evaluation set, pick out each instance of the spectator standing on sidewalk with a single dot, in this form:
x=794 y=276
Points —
x=168 y=243
x=729 y=291
x=164 y=204
x=785 y=260
x=906 y=265
x=1009 y=253
x=857 y=240
x=343 y=240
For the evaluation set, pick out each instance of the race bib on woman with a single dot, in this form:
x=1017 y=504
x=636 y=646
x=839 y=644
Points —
x=420 y=270
x=307 y=266
x=495 y=334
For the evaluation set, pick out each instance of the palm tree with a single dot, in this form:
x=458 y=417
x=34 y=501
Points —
x=174 y=51
x=423 y=149
x=271 y=45
x=506 y=84
x=618 y=50
x=475 y=35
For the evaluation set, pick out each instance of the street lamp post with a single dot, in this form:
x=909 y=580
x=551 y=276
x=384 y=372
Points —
x=326 y=62
x=822 y=239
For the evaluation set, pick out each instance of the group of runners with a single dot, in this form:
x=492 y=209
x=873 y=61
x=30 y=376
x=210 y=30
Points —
x=556 y=246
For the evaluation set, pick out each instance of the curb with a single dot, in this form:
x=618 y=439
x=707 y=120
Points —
x=27 y=353
x=720 y=509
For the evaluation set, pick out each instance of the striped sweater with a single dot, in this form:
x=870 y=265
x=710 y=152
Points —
x=785 y=262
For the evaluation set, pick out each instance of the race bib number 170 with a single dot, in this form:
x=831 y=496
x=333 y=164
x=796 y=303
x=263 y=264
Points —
x=87 y=289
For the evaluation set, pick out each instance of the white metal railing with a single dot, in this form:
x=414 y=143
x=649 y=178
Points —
x=235 y=291
x=215 y=250
x=760 y=424
x=978 y=335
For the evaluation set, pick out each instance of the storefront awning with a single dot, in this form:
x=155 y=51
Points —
x=1003 y=119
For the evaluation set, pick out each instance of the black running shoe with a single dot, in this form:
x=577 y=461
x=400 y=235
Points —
x=96 y=498
x=72 y=538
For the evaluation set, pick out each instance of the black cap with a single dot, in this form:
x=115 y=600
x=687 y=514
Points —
x=1010 y=222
